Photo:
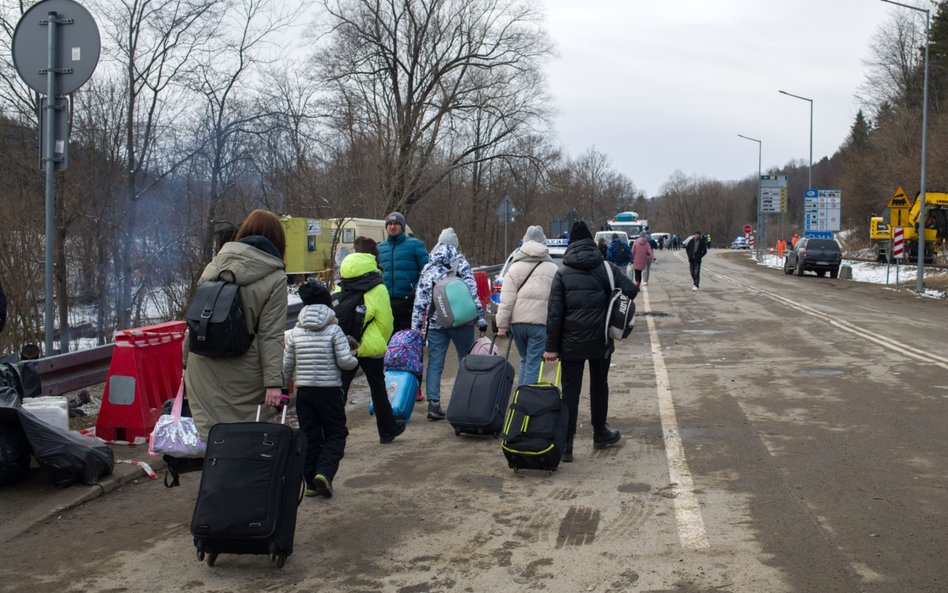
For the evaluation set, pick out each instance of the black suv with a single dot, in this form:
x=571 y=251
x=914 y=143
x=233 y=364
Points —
x=814 y=255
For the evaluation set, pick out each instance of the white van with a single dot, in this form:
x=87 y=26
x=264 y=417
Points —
x=607 y=235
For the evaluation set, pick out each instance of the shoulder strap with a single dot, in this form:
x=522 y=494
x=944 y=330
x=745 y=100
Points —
x=530 y=273
x=612 y=281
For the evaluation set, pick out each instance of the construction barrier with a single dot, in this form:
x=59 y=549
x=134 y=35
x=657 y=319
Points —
x=144 y=373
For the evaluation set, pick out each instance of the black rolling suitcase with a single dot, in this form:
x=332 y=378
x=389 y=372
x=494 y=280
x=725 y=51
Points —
x=480 y=394
x=250 y=487
x=536 y=425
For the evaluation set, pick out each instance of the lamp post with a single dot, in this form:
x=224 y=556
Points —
x=760 y=146
x=920 y=254
x=809 y=182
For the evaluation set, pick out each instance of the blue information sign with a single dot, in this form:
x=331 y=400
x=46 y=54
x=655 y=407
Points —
x=818 y=234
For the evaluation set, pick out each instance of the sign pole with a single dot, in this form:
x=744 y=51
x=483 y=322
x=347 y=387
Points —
x=50 y=156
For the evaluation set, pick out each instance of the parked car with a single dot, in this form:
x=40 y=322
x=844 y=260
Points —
x=814 y=255
x=557 y=249
x=740 y=243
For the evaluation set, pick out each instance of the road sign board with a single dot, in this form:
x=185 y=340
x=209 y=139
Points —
x=773 y=193
x=506 y=212
x=898 y=242
x=748 y=228
x=77 y=45
x=899 y=200
x=821 y=211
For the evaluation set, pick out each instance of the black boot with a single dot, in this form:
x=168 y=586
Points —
x=604 y=437
x=434 y=410
x=568 y=451
x=390 y=436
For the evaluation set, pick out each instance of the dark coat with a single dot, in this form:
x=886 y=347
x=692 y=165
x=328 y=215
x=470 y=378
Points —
x=696 y=248
x=576 y=319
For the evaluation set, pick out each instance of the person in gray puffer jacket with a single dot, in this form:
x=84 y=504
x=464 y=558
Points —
x=315 y=351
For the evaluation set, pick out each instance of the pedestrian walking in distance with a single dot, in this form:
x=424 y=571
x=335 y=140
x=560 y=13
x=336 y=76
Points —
x=696 y=248
x=642 y=256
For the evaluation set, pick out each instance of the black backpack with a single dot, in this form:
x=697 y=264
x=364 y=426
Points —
x=217 y=327
x=349 y=306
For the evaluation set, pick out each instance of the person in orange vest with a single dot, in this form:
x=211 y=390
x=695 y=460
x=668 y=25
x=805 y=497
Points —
x=793 y=241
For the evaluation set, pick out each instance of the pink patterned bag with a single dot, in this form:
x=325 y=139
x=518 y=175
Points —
x=174 y=435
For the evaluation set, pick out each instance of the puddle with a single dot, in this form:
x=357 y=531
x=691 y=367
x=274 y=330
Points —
x=822 y=372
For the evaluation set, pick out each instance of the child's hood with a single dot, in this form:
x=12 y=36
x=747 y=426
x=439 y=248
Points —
x=316 y=317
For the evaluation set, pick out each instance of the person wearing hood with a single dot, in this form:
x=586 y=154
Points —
x=362 y=279
x=316 y=350
x=642 y=257
x=445 y=256
x=229 y=389
x=619 y=253
x=401 y=258
x=575 y=328
x=524 y=299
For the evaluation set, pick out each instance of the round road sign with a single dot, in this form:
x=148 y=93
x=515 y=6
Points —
x=77 y=43
x=748 y=228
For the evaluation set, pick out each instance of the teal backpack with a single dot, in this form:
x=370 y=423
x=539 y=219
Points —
x=452 y=301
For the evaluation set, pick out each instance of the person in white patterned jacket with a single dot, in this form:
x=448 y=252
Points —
x=444 y=257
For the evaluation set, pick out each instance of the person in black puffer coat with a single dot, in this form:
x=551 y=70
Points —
x=575 y=330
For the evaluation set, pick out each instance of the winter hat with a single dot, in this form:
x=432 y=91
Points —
x=448 y=237
x=580 y=231
x=396 y=217
x=313 y=292
x=644 y=234
x=534 y=233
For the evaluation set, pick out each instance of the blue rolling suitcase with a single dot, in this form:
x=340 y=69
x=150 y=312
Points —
x=401 y=387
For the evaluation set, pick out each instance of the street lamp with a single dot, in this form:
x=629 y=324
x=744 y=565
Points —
x=760 y=146
x=920 y=255
x=809 y=183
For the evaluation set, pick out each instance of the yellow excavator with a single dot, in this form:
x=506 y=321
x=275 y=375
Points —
x=904 y=213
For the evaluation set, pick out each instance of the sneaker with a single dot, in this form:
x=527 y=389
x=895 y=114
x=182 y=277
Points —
x=310 y=490
x=399 y=429
x=695 y=287
x=322 y=486
x=434 y=410
x=568 y=452
x=605 y=437
x=645 y=283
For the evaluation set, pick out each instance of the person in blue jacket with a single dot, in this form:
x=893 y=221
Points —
x=619 y=254
x=401 y=258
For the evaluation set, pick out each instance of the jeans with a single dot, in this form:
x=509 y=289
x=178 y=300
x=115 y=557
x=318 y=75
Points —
x=438 y=341
x=322 y=415
x=530 y=339
x=695 y=266
x=598 y=390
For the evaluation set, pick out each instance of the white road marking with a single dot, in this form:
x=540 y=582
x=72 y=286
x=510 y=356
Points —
x=691 y=529
x=888 y=342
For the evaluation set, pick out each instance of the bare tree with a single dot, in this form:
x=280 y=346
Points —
x=410 y=74
x=155 y=42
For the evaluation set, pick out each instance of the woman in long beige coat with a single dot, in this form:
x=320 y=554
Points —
x=229 y=389
x=524 y=297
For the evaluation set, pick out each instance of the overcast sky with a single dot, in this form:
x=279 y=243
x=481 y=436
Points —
x=659 y=86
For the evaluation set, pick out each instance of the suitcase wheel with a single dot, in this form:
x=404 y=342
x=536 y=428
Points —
x=211 y=559
x=457 y=432
x=281 y=560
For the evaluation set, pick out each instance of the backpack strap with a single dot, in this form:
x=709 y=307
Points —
x=207 y=310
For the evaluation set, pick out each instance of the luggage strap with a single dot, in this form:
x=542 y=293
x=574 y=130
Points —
x=559 y=368
x=553 y=407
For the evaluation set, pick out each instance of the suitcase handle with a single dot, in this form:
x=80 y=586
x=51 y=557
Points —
x=284 y=404
x=556 y=380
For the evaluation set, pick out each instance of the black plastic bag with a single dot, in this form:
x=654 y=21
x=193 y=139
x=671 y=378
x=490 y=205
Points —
x=14 y=448
x=66 y=457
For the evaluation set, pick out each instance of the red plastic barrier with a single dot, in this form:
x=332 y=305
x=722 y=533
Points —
x=483 y=288
x=145 y=372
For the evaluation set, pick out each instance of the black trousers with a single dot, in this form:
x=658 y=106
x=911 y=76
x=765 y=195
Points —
x=322 y=415
x=374 y=369
x=598 y=390
x=695 y=265
x=401 y=311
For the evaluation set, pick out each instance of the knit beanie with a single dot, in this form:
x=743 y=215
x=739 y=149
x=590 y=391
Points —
x=535 y=233
x=580 y=231
x=449 y=237
x=396 y=217
x=313 y=292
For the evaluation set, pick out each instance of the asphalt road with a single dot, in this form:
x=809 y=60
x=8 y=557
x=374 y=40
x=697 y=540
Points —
x=780 y=434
